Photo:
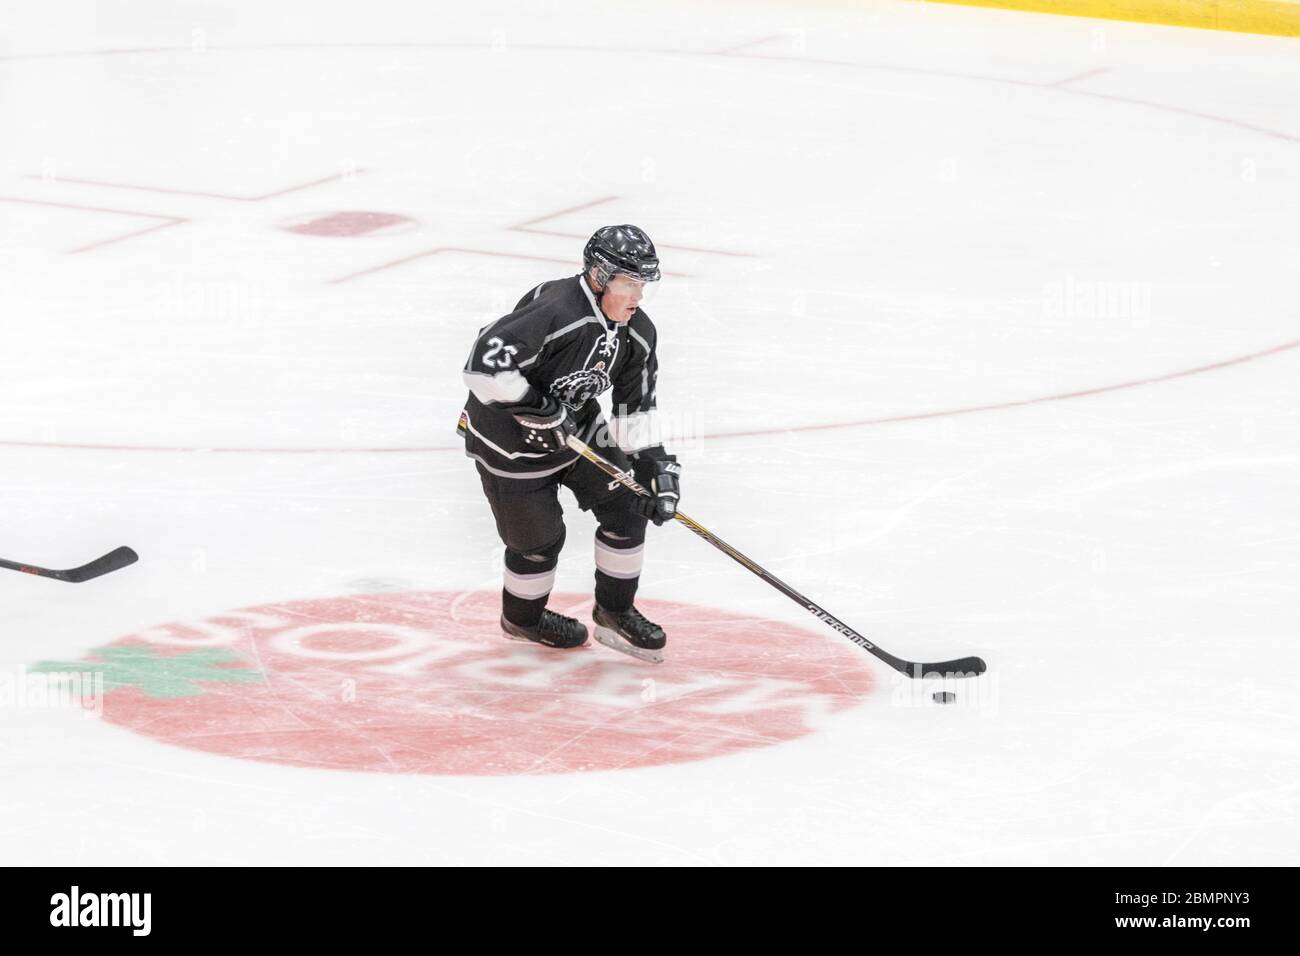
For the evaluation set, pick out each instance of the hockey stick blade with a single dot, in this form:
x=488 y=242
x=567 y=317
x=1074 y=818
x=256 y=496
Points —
x=962 y=667
x=113 y=561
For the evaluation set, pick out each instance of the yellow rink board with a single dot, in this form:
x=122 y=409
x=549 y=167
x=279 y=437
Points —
x=1277 y=17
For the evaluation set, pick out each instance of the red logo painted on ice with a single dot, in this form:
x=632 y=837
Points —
x=423 y=682
x=348 y=224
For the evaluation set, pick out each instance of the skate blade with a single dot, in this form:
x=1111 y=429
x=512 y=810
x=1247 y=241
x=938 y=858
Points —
x=615 y=641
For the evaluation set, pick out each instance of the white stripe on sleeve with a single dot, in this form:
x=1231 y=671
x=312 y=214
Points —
x=501 y=387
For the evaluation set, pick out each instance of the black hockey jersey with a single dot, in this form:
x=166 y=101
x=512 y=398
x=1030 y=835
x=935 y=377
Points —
x=558 y=342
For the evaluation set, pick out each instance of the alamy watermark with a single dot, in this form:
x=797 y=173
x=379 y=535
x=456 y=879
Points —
x=53 y=690
x=76 y=908
x=1075 y=298
x=233 y=303
x=969 y=692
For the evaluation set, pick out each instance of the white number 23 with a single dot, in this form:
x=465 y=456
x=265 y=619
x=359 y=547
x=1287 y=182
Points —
x=499 y=354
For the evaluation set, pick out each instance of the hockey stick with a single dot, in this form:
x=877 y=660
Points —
x=113 y=561
x=962 y=667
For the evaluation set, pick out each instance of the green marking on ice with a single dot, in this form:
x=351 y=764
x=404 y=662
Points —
x=172 y=675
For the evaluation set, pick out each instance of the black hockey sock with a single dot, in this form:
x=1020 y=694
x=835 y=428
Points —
x=528 y=581
x=618 y=569
x=522 y=611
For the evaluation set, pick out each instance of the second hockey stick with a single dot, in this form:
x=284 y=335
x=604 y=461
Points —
x=961 y=667
x=113 y=561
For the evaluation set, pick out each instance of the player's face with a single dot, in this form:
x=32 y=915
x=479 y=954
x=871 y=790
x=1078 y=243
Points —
x=623 y=294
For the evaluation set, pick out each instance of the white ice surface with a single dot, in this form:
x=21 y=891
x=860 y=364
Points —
x=911 y=184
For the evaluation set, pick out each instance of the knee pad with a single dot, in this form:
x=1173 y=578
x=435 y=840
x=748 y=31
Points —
x=624 y=529
x=529 y=559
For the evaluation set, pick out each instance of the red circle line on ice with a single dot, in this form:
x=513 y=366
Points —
x=424 y=683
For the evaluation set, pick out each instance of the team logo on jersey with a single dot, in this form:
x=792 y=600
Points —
x=576 y=388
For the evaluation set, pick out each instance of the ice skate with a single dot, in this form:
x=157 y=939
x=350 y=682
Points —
x=553 y=630
x=630 y=633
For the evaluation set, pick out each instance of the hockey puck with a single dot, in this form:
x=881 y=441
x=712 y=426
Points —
x=943 y=696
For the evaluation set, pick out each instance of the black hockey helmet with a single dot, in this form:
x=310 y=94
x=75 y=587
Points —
x=625 y=249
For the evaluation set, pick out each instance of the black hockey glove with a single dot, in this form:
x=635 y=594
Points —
x=662 y=478
x=546 y=428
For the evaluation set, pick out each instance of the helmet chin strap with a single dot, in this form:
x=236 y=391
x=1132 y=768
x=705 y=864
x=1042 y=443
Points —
x=600 y=297
x=602 y=288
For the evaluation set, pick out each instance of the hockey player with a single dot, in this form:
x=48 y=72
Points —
x=533 y=378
